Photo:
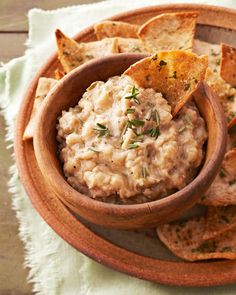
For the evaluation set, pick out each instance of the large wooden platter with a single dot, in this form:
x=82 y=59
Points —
x=139 y=254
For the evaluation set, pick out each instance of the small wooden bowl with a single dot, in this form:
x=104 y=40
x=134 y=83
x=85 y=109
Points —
x=66 y=94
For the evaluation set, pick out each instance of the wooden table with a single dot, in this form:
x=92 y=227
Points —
x=13 y=33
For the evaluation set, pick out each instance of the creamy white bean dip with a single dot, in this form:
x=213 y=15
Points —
x=120 y=143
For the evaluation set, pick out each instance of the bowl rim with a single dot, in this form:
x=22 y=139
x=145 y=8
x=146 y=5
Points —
x=206 y=174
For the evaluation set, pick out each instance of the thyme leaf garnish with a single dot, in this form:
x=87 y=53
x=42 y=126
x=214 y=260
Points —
x=222 y=173
x=136 y=123
x=130 y=111
x=132 y=146
x=101 y=129
x=93 y=85
x=134 y=93
x=145 y=173
x=153 y=132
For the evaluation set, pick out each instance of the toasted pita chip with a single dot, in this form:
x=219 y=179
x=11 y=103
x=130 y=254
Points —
x=58 y=74
x=169 y=31
x=219 y=220
x=130 y=45
x=176 y=74
x=185 y=240
x=228 y=64
x=44 y=85
x=213 y=51
x=222 y=192
x=72 y=54
x=108 y=29
x=226 y=94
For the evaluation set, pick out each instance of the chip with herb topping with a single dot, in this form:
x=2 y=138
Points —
x=213 y=52
x=130 y=45
x=185 y=240
x=108 y=29
x=176 y=74
x=72 y=54
x=219 y=220
x=169 y=31
x=228 y=64
x=222 y=192
x=226 y=94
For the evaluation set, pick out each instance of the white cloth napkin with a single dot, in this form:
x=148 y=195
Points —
x=55 y=267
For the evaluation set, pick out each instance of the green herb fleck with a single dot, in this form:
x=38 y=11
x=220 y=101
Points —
x=136 y=122
x=102 y=130
x=153 y=132
x=132 y=146
x=133 y=95
x=130 y=111
x=222 y=173
x=93 y=85
x=145 y=173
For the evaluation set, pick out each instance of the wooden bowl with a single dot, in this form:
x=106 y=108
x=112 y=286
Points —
x=66 y=94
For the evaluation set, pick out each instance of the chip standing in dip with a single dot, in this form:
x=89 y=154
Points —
x=121 y=143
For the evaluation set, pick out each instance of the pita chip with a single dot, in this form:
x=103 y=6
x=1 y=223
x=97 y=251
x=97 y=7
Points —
x=185 y=240
x=169 y=31
x=109 y=29
x=44 y=86
x=176 y=74
x=228 y=64
x=72 y=54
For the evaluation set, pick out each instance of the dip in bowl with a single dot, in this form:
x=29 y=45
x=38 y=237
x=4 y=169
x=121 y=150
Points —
x=121 y=144
x=129 y=161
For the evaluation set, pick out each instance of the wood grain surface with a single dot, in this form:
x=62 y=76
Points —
x=13 y=34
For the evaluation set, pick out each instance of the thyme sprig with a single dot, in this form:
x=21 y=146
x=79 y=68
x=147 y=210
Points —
x=102 y=130
x=133 y=95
